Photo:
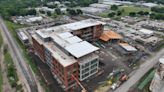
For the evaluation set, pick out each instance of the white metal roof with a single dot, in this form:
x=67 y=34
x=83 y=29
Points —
x=74 y=45
x=128 y=47
x=97 y=5
x=41 y=34
x=22 y=35
x=80 y=49
x=91 y=10
x=146 y=31
x=83 y=24
x=161 y=60
x=73 y=39
x=33 y=19
x=150 y=4
x=65 y=35
x=111 y=3
x=68 y=27
x=60 y=56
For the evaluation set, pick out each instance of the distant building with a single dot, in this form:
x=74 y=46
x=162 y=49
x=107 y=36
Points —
x=110 y=36
x=23 y=37
x=146 y=32
x=34 y=19
x=66 y=51
x=101 y=6
x=92 y=10
x=54 y=3
x=46 y=9
x=150 y=5
x=157 y=84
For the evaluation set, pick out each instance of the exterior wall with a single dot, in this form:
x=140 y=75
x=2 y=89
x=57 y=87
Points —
x=48 y=58
x=90 y=33
x=69 y=71
x=88 y=69
x=98 y=30
x=64 y=74
x=39 y=49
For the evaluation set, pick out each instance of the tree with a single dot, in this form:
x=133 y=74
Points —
x=5 y=49
x=146 y=13
x=114 y=7
x=41 y=11
x=158 y=9
x=132 y=14
x=152 y=15
x=119 y=13
x=72 y=12
x=157 y=16
x=49 y=13
x=54 y=15
x=31 y=12
x=140 y=13
x=79 y=11
x=112 y=14
x=58 y=11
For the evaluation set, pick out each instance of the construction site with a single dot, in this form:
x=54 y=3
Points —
x=82 y=54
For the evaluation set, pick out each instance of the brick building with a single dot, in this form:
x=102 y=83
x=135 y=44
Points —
x=67 y=55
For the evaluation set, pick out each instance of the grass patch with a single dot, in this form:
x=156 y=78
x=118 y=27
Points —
x=1 y=39
x=11 y=70
x=43 y=84
x=125 y=10
x=1 y=80
x=12 y=28
x=104 y=14
x=128 y=9
x=160 y=47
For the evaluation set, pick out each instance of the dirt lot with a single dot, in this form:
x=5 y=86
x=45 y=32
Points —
x=109 y=60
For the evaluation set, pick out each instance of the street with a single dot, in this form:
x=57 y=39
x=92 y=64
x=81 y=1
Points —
x=26 y=73
x=139 y=73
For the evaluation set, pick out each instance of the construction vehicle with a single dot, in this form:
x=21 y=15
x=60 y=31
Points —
x=124 y=78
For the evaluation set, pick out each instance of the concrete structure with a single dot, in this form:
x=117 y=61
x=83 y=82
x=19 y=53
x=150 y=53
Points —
x=128 y=47
x=66 y=54
x=150 y=4
x=34 y=19
x=23 y=37
x=157 y=84
x=101 y=6
x=46 y=9
x=92 y=10
x=111 y=3
x=146 y=31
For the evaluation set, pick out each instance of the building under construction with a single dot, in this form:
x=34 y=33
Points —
x=157 y=84
x=66 y=51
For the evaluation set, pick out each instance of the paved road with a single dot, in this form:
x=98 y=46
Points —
x=26 y=73
x=139 y=73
